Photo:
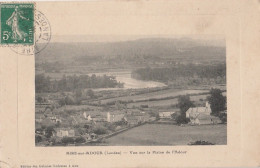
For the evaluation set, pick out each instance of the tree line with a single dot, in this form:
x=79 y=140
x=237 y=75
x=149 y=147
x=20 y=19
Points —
x=70 y=83
x=166 y=74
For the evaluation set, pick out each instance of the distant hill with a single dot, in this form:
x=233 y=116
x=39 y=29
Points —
x=152 y=47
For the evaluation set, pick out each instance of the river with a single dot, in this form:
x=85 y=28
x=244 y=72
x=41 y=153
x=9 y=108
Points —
x=129 y=82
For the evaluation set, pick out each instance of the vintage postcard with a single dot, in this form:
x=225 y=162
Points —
x=129 y=84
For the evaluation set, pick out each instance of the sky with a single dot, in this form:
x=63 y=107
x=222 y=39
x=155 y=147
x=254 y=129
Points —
x=217 y=39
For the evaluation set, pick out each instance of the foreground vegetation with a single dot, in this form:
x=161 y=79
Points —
x=156 y=134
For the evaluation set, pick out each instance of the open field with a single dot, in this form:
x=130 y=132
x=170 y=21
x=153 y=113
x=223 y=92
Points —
x=156 y=134
x=155 y=95
x=168 y=102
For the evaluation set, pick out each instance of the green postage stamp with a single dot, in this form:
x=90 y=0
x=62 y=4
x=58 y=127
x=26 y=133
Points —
x=17 y=23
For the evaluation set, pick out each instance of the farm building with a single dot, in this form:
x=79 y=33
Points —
x=193 y=111
x=166 y=115
x=202 y=119
x=115 y=116
x=201 y=115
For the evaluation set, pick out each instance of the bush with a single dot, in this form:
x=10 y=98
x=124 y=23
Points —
x=48 y=132
x=80 y=140
x=144 y=106
x=182 y=119
x=100 y=130
x=38 y=138
x=67 y=140
x=223 y=117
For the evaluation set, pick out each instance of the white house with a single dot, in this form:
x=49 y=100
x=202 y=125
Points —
x=114 y=116
x=193 y=111
x=201 y=115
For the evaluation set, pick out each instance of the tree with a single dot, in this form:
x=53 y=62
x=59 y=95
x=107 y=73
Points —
x=184 y=103
x=90 y=93
x=78 y=93
x=39 y=99
x=217 y=101
x=49 y=131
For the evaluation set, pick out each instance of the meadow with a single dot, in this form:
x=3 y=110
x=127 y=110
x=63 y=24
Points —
x=160 y=134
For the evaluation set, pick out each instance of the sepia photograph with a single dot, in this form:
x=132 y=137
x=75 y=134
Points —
x=131 y=91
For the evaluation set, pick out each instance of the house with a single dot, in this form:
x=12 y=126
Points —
x=78 y=119
x=55 y=119
x=203 y=119
x=132 y=120
x=201 y=115
x=115 y=116
x=166 y=115
x=100 y=117
x=137 y=118
x=64 y=132
x=87 y=116
x=194 y=111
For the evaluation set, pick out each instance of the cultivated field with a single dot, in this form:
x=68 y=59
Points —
x=155 y=95
x=157 y=134
x=167 y=102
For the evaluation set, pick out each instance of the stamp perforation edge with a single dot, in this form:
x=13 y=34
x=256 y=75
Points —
x=34 y=33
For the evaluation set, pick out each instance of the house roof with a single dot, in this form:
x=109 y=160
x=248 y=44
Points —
x=199 y=110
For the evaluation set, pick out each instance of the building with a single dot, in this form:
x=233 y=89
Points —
x=137 y=118
x=194 y=111
x=115 y=116
x=64 y=132
x=87 y=116
x=132 y=120
x=55 y=119
x=100 y=117
x=78 y=119
x=201 y=115
x=166 y=115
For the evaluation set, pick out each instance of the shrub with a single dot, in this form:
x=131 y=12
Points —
x=223 y=117
x=100 y=130
x=67 y=140
x=182 y=119
x=38 y=138
x=80 y=140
